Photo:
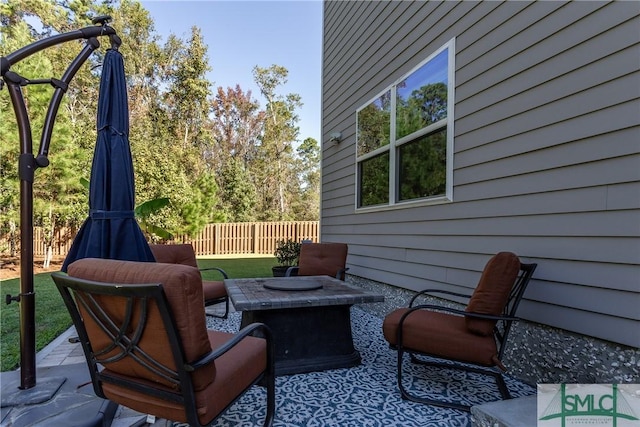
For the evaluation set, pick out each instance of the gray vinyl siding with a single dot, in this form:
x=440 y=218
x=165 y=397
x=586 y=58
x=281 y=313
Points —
x=546 y=152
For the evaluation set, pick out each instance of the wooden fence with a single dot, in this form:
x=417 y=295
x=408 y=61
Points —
x=239 y=238
x=249 y=237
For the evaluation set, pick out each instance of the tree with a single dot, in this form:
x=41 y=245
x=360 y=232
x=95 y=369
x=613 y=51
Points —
x=236 y=127
x=170 y=144
x=187 y=97
x=197 y=212
x=237 y=193
x=276 y=153
x=374 y=125
x=422 y=167
x=306 y=206
x=425 y=106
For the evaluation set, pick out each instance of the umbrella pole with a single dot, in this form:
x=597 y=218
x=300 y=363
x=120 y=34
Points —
x=27 y=165
x=27 y=296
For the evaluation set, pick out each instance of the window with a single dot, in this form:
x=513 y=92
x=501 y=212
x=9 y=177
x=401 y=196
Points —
x=405 y=137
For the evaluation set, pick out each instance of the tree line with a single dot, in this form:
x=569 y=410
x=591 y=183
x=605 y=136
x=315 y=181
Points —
x=218 y=155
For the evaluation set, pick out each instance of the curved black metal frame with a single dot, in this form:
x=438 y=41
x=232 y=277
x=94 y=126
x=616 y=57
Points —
x=28 y=163
x=500 y=333
x=214 y=301
x=79 y=292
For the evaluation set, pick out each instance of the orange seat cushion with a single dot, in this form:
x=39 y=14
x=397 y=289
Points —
x=439 y=334
x=235 y=371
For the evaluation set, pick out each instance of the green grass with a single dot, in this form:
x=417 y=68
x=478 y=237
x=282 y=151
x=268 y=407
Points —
x=238 y=267
x=52 y=317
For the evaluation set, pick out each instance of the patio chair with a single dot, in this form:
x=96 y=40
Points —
x=145 y=339
x=319 y=259
x=475 y=336
x=214 y=290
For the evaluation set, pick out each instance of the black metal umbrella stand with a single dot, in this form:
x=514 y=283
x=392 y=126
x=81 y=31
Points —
x=28 y=163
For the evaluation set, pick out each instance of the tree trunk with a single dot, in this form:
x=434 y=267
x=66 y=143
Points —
x=48 y=256
x=13 y=238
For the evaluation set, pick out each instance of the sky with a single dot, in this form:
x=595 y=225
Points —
x=242 y=34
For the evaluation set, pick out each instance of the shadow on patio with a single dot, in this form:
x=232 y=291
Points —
x=366 y=395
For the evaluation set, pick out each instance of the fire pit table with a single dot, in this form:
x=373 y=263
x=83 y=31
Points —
x=309 y=316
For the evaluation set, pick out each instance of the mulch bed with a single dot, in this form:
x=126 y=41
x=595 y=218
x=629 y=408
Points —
x=10 y=266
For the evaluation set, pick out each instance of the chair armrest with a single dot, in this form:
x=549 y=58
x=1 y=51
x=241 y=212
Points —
x=291 y=270
x=432 y=307
x=436 y=291
x=242 y=334
x=224 y=274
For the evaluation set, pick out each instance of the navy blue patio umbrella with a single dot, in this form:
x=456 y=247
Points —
x=111 y=230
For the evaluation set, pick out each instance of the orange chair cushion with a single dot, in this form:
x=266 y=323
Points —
x=236 y=370
x=175 y=254
x=183 y=288
x=213 y=289
x=439 y=334
x=492 y=292
x=317 y=259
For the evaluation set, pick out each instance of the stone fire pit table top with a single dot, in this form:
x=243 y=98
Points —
x=251 y=294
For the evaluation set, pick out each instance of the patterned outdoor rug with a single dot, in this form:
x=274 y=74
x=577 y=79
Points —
x=366 y=395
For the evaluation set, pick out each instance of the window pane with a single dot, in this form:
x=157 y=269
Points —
x=422 y=167
x=421 y=98
x=374 y=180
x=374 y=124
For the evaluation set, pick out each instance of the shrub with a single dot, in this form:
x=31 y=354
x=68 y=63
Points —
x=287 y=252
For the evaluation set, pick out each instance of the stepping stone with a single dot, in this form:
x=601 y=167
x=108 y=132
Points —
x=519 y=412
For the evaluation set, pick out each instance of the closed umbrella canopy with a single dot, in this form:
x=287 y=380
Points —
x=111 y=230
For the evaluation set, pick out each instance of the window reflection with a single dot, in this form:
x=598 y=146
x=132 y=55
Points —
x=421 y=98
x=374 y=180
x=374 y=124
x=422 y=167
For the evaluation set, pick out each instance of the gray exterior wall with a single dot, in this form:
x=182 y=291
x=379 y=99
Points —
x=547 y=152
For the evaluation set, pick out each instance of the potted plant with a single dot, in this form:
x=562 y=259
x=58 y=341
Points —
x=287 y=253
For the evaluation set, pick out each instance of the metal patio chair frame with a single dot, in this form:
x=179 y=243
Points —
x=501 y=332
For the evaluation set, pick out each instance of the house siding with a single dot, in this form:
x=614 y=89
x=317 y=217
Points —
x=546 y=152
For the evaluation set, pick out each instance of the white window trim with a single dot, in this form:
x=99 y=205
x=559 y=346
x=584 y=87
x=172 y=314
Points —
x=394 y=144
